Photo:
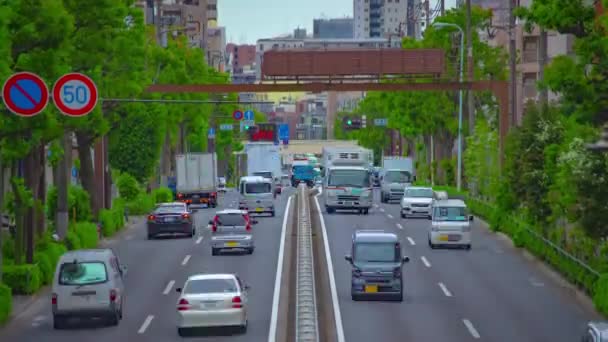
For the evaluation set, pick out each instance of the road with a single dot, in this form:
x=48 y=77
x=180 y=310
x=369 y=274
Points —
x=490 y=293
x=155 y=269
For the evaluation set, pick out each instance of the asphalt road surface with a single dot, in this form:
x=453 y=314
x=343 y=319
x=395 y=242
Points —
x=490 y=293
x=155 y=269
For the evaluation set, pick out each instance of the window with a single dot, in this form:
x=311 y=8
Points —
x=265 y=174
x=230 y=220
x=261 y=47
x=376 y=252
x=422 y=193
x=449 y=214
x=170 y=208
x=83 y=273
x=349 y=178
x=398 y=177
x=258 y=188
x=211 y=286
x=530 y=54
x=529 y=85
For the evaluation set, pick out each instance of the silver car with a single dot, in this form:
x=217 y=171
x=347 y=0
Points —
x=417 y=201
x=596 y=332
x=231 y=230
x=212 y=300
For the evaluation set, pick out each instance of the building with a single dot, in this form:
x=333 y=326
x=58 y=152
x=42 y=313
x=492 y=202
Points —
x=311 y=117
x=216 y=48
x=379 y=18
x=184 y=17
x=241 y=63
x=333 y=28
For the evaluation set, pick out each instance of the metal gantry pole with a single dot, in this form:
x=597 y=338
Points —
x=459 y=171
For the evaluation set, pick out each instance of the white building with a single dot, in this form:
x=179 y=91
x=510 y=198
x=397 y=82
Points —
x=379 y=18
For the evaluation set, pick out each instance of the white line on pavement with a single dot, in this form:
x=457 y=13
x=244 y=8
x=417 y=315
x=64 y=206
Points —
x=382 y=209
x=185 y=261
x=169 y=287
x=445 y=290
x=536 y=283
x=471 y=328
x=272 y=333
x=375 y=205
x=332 y=280
x=412 y=242
x=199 y=240
x=145 y=325
x=399 y=226
x=389 y=216
x=425 y=262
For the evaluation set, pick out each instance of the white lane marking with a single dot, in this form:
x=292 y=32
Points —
x=389 y=216
x=38 y=320
x=382 y=209
x=320 y=190
x=412 y=242
x=375 y=205
x=399 y=226
x=272 y=333
x=536 y=283
x=425 y=262
x=185 y=261
x=169 y=287
x=445 y=290
x=145 y=325
x=471 y=328
x=332 y=280
x=199 y=240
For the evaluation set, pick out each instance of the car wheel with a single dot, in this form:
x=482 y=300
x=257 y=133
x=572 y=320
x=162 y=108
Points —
x=400 y=297
x=430 y=217
x=213 y=205
x=354 y=297
x=59 y=322
x=250 y=250
x=193 y=232
x=120 y=311
x=467 y=247
x=366 y=212
x=431 y=245
x=329 y=210
x=404 y=216
x=214 y=251
x=244 y=328
x=272 y=213
x=181 y=332
x=113 y=319
x=150 y=236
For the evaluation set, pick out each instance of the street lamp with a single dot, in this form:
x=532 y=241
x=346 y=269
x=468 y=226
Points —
x=459 y=168
x=602 y=144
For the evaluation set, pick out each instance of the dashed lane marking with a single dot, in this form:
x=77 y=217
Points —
x=145 y=325
x=389 y=216
x=169 y=287
x=425 y=262
x=471 y=328
x=445 y=290
x=399 y=226
x=412 y=242
x=198 y=241
x=185 y=261
x=382 y=209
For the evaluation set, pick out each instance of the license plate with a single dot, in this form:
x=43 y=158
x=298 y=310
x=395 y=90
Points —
x=259 y=210
x=371 y=288
x=443 y=238
x=169 y=219
x=208 y=305
x=454 y=237
x=232 y=244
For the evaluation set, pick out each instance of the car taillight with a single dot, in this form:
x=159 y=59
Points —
x=151 y=217
x=185 y=216
x=112 y=295
x=237 y=302
x=214 y=194
x=214 y=225
x=54 y=299
x=183 y=305
x=180 y=195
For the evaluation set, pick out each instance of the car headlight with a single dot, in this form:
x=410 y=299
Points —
x=434 y=228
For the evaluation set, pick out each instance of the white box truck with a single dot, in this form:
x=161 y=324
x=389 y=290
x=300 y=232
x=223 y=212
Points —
x=397 y=173
x=197 y=179
x=264 y=159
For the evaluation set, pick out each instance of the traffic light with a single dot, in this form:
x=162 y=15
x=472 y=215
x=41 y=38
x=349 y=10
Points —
x=351 y=123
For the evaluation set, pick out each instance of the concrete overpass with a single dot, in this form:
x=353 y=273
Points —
x=312 y=146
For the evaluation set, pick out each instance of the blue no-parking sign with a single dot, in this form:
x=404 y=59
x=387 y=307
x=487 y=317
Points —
x=25 y=94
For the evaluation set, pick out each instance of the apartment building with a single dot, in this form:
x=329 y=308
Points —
x=333 y=28
x=379 y=18
x=179 y=17
x=241 y=63
x=216 y=47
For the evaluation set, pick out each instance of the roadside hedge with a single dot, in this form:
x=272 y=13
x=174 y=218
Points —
x=87 y=234
x=78 y=201
x=6 y=303
x=22 y=279
x=141 y=205
x=162 y=195
x=529 y=237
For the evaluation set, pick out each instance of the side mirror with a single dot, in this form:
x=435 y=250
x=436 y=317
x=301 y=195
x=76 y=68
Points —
x=211 y=222
x=406 y=259
x=123 y=269
x=179 y=289
x=246 y=287
x=349 y=258
x=471 y=217
x=255 y=221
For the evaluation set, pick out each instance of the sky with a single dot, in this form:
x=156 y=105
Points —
x=246 y=21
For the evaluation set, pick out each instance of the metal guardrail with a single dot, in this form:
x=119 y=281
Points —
x=306 y=325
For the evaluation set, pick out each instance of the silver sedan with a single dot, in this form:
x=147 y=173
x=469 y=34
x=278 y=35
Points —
x=212 y=300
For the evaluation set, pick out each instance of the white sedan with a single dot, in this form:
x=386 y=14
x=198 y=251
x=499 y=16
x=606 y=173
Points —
x=212 y=300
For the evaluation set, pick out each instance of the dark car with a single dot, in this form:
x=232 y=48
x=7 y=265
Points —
x=377 y=266
x=170 y=218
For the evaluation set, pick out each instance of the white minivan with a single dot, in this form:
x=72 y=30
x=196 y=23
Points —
x=451 y=224
x=257 y=195
x=88 y=283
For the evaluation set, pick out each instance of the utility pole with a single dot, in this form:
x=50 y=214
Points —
x=442 y=7
x=157 y=19
x=470 y=104
x=428 y=14
x=512 y=64
x=542 y=61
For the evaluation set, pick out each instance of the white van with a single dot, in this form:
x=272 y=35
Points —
x=257 y=195
x=451 y=224
x=88 y=283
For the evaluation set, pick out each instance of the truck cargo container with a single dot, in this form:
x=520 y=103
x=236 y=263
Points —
x=397 y=173
x=196 y=180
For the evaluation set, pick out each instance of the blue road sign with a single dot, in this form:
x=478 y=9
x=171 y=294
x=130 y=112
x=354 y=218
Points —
x=74 y=172
x=249 y=115
x=25 y=94
x=286 y=141
x=211 y=132
x=284 y=131
x=226 y=127
x=381 y=122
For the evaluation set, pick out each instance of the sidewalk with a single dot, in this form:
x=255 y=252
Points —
x=22 y=303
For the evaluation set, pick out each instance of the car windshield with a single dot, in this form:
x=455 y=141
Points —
x=231 y=220
x=264 y=174
x=83 y=273
x=398 y=177
x=170 y=208
x=349 y=178
x=449 y=214
x=425 y=193
x=376 y=252
x=258 y=188
x=199 y=286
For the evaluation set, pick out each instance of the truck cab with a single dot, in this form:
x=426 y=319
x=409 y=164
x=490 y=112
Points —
x=348 y=188
x=393 y=183
x=256 y=195
x=271 y=177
